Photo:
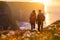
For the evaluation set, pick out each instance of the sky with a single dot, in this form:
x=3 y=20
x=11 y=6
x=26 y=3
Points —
x=52 y=9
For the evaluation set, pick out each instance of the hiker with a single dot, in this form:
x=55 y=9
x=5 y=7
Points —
x=33 y=20
x=40 y=20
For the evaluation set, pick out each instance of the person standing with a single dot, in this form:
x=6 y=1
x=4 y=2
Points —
x=33 y=20
x=40 y=20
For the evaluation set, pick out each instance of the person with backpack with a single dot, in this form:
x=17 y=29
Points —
x=40 y=20
x=33 y=20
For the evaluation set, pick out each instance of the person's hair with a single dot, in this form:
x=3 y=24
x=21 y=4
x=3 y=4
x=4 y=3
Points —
x=33 y=11
x=39 y=10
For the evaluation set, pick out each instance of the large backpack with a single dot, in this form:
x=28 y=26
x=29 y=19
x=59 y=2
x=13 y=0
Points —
x=41 y=17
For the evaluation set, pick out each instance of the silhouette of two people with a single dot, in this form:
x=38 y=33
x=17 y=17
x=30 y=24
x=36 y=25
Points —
x=39 y=20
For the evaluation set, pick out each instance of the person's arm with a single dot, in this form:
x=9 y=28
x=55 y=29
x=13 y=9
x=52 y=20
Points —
x=43 y=17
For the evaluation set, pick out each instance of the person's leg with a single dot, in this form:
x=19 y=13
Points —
x=32 y=27
x=41 y=26
x=38 y=26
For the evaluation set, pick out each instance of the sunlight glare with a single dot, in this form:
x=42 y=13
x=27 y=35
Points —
x=47 y=19
x=45 y=2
